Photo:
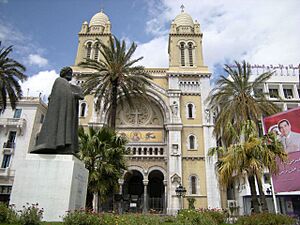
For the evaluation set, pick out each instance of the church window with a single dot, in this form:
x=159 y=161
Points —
x=192 y=142
x=88 y=50
x=96 y=51
x=182 y=58
x=190 y=111
x=193 y=185
x=82 y=109
x=190 y=48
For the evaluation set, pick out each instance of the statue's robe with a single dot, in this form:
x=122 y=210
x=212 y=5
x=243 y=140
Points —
x=59 y=132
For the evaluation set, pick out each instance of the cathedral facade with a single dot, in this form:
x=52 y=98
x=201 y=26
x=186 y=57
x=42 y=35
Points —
x=169 y=135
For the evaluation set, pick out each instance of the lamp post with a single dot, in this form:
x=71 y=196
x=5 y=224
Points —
x=180 y=192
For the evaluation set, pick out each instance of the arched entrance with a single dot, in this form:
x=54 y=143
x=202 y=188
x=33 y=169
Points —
x=156 y=191
x=133 y=190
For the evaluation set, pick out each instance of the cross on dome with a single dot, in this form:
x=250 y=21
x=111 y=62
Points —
x=182 y=8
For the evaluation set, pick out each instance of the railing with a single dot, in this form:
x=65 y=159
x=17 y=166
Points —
x=9 y=144
x=153 y=151
x=18 y=122
x=156 y=204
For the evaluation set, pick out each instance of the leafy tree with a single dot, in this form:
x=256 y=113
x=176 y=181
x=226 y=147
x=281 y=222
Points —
x=249 y=158
x=11 y=72
x=234 y=104
x=102 y=152
x=115 y=76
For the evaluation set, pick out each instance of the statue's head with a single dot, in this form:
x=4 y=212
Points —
x=66 y=73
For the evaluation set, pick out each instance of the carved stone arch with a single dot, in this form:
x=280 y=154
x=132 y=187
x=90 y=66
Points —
x=162 y=170
x=164 y=108
x=88 y=42
x=137 y=168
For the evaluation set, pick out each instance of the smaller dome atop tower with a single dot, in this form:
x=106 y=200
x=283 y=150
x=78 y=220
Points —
x=184 y=19
x=99 y=19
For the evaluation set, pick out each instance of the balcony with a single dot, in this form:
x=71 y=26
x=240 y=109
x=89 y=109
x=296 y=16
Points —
x=152 y=152
x=18 y=123
x=8 y=147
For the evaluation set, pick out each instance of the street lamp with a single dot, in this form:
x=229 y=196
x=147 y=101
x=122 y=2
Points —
x=180 y=192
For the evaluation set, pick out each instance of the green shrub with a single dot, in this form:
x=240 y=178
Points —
x=192 y=217
x=31 y=215
x=132 y=219
x=266 y=219
x=217 y=214
x=7 y=214
x=81 y=217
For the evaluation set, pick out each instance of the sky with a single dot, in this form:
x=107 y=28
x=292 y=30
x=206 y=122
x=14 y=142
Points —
x=44 y=33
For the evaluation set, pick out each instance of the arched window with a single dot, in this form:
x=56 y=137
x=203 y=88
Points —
x=192 y=142
x=182 y=58
x=190 y=108
x=96 y=51
x=82 y=109
x=88 y=50
x=190 y=48
x=193 y=187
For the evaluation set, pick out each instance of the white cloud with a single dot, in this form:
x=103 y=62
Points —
x=3 y=1
x=39 y=84
x=155 y=52
x=262 y=32
x=35 y=59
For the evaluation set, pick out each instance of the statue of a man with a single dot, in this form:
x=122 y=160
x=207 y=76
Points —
x=59 y=133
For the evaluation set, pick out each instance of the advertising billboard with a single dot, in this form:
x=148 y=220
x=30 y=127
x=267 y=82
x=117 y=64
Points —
x=287 y=127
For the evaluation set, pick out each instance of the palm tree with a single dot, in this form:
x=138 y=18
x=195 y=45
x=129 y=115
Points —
x=250 y=158
x=116 y=76
x=233 y=101
x=11 y=72
x=102 y=152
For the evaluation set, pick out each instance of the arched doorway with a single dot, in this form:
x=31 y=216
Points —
x=156 y=191
x=133 y=190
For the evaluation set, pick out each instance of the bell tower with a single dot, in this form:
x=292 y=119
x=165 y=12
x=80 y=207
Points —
x=99 y=28
x=185 y=43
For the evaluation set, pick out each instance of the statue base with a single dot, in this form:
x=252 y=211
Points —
x=58 y=183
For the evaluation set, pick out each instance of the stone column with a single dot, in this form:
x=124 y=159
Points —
x=145 y=208
x=165 y=197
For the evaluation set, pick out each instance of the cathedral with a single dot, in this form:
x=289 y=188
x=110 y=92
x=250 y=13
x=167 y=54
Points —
x=170 y=134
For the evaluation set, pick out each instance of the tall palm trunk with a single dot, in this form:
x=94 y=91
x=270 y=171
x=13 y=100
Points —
x=254 y=199
x=89 y=200
x=262 y=196
x=113 y=111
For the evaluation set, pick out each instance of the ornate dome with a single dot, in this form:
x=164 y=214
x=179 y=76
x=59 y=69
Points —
x=184 y=19
x=99 y=19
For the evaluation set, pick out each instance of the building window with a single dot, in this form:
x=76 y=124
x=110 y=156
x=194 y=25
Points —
x=5 y=189
x=82 y=109
x=5 y=161
x=11 y=139
x=273 y=93
x=267 y=178
x=190 y=53
x=192 y=142
x=88 y=50
x=42 y=118
x=182 y=57
x=96 y=51
x=190 y=111
x=299 y=93
x=288 y=93
x=17 y=113
x=193 y=185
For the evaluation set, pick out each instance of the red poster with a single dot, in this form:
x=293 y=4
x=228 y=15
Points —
x=287 y=127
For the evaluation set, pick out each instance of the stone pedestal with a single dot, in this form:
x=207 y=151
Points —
x=58 y=183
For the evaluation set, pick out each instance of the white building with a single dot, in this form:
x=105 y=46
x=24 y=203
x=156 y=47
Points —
x=18 y=130
x=284 y=90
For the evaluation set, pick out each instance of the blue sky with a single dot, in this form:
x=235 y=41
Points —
x=44 y=32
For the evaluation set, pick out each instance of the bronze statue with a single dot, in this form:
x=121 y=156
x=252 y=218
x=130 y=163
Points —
x=59 y=133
